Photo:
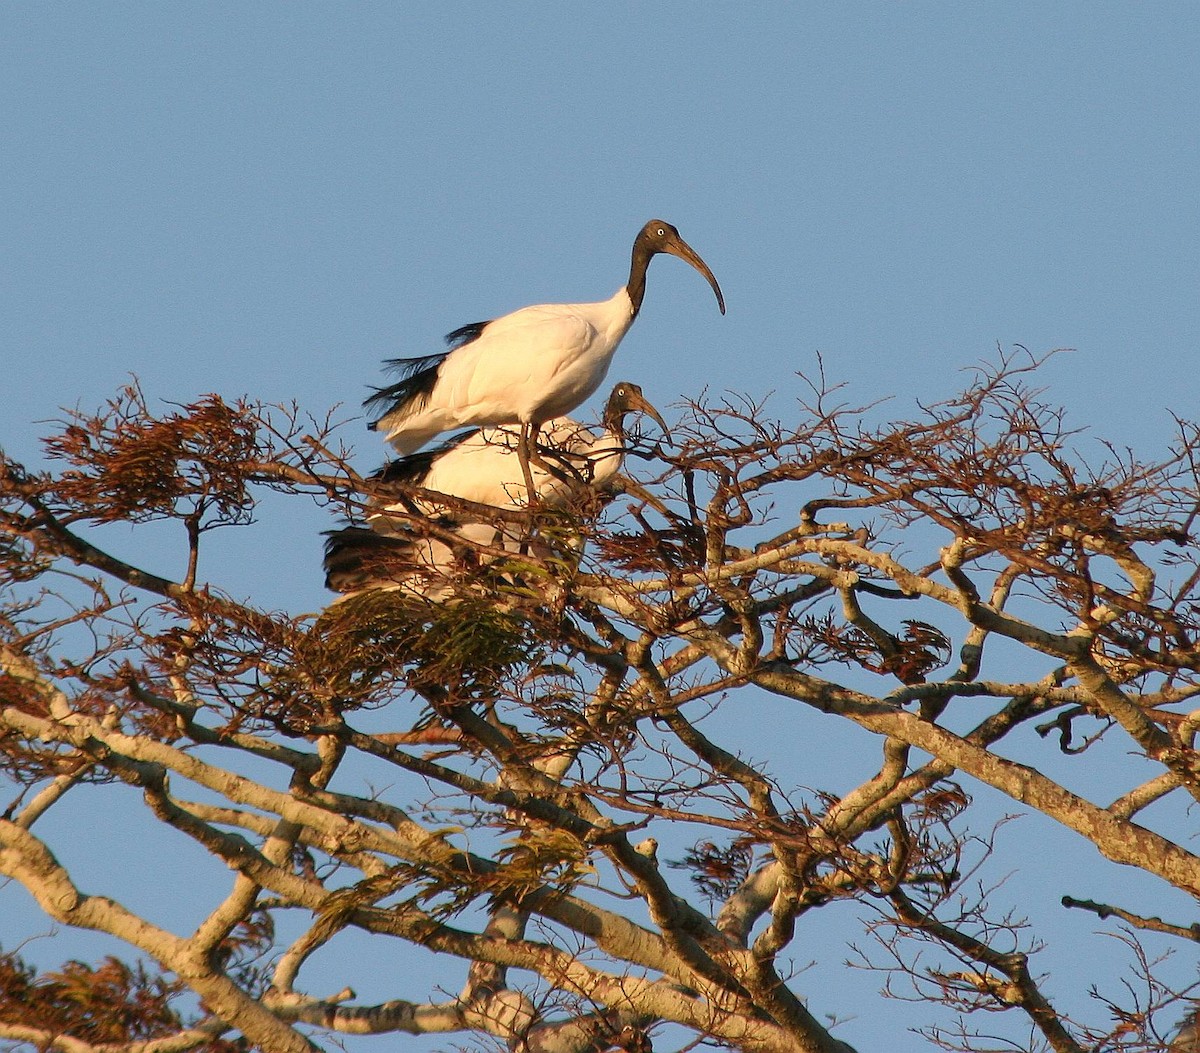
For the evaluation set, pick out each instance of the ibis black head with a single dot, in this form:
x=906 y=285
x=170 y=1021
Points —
x=626 y=397
x=659 y=236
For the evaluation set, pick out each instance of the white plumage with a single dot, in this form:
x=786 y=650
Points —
x=506 y=375
x=483 y=467
x=526 y=367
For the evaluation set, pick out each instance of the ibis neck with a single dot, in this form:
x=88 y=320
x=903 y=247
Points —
x=636 y=285
x=614 y=422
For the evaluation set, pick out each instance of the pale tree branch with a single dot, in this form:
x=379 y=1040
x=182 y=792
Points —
x=535 y=760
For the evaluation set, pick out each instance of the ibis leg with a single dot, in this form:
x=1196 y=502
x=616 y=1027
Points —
x=529 y=433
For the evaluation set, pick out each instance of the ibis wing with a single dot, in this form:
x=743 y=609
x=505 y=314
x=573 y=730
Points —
x=418 y=376
x=410 y=367
x=484 y=468
x=415 y=468
x=408 y=394
x=535 y=363
x=521 y=356
x=464 y=334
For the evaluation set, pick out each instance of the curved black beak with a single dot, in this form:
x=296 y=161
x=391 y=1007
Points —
x=639 y=402
x=676 y=246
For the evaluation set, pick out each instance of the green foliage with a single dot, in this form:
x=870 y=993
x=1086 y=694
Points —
x=458 y=652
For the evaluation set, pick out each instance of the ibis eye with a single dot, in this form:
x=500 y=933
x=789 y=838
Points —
x=662 y=233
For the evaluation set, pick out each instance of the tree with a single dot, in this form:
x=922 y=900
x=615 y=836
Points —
x=991 y=604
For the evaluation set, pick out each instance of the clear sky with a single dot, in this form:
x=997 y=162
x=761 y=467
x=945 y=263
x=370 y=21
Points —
x=270 y=198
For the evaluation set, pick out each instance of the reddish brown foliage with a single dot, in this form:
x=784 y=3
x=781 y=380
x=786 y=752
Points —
x=112 y=1003
x=548 y=709
x=127 y=464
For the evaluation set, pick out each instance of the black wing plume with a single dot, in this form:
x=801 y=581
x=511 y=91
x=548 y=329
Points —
x=464 y=334
x=356 y=556
x=412 y=469
x=417 y=379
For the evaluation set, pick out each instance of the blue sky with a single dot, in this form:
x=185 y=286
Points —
x=269 y=199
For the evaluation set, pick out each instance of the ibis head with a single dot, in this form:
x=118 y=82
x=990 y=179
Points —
x=658 y=236
x=627 y=397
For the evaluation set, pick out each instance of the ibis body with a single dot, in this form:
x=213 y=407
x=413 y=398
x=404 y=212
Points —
x=481 y=466
x=524 y=368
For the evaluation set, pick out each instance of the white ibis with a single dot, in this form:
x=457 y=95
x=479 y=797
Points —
x=480 y=466
x=484 y=466
x=526 y=367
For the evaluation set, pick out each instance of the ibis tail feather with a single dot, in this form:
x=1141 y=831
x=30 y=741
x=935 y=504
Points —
x=409 y=395
x=465 y=334
x=411 y=470
x=356 y=557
